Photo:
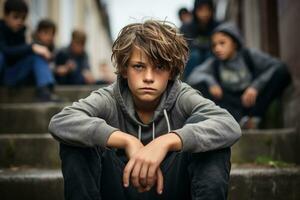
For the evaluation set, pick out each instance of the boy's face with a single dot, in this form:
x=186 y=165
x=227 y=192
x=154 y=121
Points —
x=77 y=48
x=46 y=36
x=223 y=46
x=146 y=81
x=15 y=20
x=186 y=17
x=204 y=13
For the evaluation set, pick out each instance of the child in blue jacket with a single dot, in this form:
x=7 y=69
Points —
x=22 y=61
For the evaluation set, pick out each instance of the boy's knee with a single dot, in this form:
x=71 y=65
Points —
x=74 y=155
x=212 y=165
x=210 y=174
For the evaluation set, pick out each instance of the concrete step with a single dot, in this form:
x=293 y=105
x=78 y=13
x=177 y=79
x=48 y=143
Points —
x=276 y=144
x=27 y=117
x=41 y=150
x=27 y=94
x=247 y=183
x=34 y=150
x=261 y=183
x=31 y=184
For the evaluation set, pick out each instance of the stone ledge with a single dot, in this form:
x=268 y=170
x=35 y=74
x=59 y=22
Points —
x=276 y=144
x=34 y=150
x=27 y=94
x=259 y=183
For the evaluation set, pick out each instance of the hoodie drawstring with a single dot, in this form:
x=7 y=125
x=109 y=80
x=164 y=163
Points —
x=167 y=119
x=153 y=127
x=140 y=133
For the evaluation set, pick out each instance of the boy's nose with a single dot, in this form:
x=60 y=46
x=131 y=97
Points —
x=149 y=75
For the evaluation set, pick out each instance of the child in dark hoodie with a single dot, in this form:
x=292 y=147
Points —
x=21 y=60
x=72 y=62
x=147 y=129
x=242 y=80
x=198 y=33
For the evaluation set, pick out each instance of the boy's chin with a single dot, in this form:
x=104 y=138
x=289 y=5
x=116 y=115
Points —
x=222 y=58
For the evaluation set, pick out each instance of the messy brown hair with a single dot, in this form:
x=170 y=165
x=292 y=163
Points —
x=160 y=40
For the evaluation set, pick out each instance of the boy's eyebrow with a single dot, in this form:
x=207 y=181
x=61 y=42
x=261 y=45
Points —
x=136 y=61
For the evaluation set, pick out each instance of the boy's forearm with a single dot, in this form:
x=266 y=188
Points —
x=171 y=141
x=119 y=140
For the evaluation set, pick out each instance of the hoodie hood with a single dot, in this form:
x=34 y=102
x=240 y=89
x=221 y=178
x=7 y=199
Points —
x=232 y=31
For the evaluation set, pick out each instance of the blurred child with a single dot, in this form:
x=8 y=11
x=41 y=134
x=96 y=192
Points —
x=45 y=33
x=185 y=15
x=198 y=34
x=72 y=65
x=22 y=60
x=242 y=80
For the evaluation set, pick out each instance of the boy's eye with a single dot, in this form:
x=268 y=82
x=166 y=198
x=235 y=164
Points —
x=161 y=67
x=137 y=66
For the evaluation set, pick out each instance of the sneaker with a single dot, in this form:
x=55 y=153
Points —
x=45 y=95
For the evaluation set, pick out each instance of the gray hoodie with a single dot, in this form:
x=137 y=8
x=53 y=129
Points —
x=234 y=74
x=201 y=125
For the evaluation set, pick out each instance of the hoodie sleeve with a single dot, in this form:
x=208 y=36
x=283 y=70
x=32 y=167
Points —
x=14 y=51
x=203 y=73
x=264 y=66
x=83 y=123
x=208 y=127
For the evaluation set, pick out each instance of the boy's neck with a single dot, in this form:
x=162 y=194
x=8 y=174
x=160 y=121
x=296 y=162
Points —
x=145 y=111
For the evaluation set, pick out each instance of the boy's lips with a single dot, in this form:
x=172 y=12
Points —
x=147 y=89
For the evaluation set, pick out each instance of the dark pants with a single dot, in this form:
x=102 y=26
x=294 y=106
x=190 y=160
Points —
x=232 y=100
x=1 y=67
x=94 y=173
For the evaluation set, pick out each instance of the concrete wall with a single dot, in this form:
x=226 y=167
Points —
x=70 y=14
x=289 y=34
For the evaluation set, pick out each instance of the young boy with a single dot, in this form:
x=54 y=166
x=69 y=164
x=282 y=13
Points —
x=72 y=66
x=45 y=33
x=148 y=135
x=244 y=81
x=198 y=34
x=22 y=60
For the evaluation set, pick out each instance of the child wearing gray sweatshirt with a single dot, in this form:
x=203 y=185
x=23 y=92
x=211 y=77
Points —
x=243 y=81
x=148 y=135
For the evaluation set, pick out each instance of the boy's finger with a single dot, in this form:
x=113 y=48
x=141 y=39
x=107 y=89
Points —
x=160 y=182
x=135 y=174
x=127 y=172
x=151 y=176
x=143 y=175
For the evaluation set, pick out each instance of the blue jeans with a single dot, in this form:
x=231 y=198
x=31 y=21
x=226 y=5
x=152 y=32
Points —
x=196 y=58
x=96 y=173
x=1 y=66
x=30 y=65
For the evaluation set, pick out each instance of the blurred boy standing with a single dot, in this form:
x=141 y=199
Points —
x=22 y=60
x=198 y=33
